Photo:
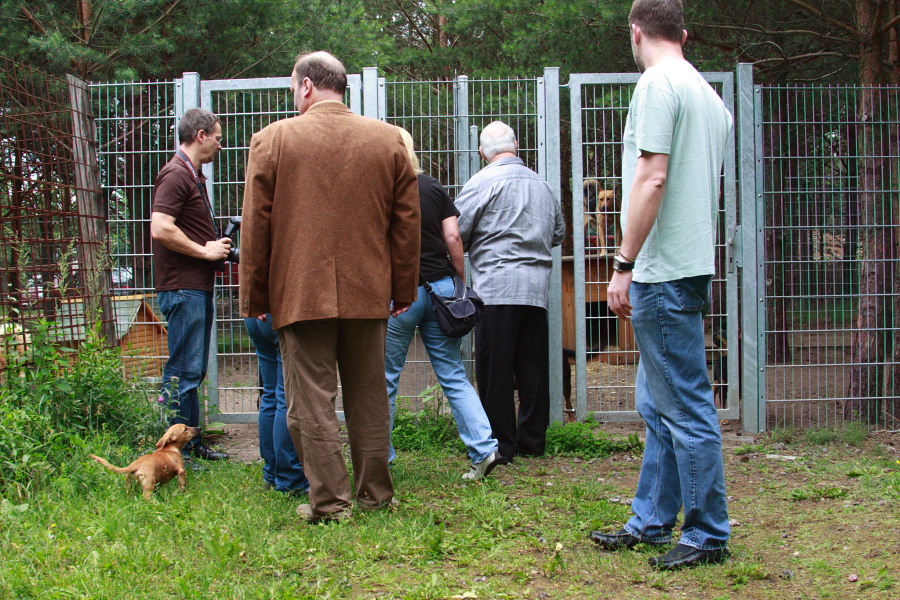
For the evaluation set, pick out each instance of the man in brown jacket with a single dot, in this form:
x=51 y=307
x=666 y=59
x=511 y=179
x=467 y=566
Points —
x=330 y=247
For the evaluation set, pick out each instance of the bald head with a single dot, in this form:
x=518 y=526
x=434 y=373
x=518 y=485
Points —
x=497 y=139
x=324 y=71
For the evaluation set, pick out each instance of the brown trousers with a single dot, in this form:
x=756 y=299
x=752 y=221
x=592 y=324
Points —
x=312 y=353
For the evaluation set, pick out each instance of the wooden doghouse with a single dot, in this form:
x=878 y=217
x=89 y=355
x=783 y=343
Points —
x=140 y=333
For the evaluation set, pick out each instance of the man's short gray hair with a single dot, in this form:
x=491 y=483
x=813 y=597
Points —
x=497 y=138
x=193 y=121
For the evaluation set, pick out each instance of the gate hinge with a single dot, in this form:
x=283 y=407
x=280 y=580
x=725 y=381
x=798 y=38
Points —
x=733 y=247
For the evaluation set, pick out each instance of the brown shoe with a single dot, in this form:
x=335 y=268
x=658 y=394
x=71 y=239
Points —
x=306 y=513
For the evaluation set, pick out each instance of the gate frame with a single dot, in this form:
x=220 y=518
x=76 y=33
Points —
x=576 y=81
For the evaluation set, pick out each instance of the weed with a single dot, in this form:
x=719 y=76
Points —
x=742 y=572
x=748 y=449
x=853 y=433
x=817 y=493
x=54 y=400
x=586 y=440
x=428 y=430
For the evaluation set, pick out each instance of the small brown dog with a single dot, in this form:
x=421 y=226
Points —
x=601 y=209
x=161 y=466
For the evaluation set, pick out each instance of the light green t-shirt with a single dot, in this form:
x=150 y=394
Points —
x=675 y=111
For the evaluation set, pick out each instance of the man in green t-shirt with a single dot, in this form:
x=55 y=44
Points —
x=673 y=148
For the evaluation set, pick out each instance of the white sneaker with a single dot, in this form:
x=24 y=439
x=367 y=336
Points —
x=484 y=468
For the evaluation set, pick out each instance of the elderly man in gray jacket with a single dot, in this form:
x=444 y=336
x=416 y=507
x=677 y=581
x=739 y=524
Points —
x=509 y=221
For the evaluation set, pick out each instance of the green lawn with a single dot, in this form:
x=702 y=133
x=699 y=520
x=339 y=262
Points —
x=823 y=526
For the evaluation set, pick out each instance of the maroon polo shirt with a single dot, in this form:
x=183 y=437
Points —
x=176 y=194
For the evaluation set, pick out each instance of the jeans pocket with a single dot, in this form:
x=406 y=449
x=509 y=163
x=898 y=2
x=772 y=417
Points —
x=692 y=293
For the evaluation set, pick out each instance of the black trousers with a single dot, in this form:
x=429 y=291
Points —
x=511 y=350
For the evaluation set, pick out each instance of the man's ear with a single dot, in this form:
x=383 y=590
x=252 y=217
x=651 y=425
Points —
x=481 y=153
x=684 y=36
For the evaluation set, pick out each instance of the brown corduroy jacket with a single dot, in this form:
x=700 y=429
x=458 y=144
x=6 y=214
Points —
x=331 y=219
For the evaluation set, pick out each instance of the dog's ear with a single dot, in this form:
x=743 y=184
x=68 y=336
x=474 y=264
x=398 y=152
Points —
x=165 y=440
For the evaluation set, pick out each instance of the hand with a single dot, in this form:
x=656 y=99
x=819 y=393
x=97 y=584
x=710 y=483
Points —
x=617 y=297
x=263 y=317
x=398 y=308
x=217 y=249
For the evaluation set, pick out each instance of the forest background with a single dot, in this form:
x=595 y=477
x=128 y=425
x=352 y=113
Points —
x=833 y=41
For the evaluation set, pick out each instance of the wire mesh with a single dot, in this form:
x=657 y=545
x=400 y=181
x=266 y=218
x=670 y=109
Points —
x=135 y=125
x=831 y=157
x=612 y=354
x=443 y=117
x=243 y=113
x=52 y=256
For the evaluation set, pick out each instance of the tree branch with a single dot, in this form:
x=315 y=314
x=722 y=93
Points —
x=413 y=24
x=33 y=20
x=115 y=53
x=892 y=23
x=763 y=31
x=821 y=15
x=806 y=57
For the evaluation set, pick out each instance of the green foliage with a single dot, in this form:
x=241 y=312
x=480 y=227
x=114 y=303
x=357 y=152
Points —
x=54 y=399
x=586 y=440
x=431 y=429
x=815 y=493
x=853 y=433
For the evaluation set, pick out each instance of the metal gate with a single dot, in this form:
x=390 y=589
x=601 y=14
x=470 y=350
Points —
x=605 y=351
x=444 y=118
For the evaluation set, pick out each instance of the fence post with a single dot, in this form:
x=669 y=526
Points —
x=91 y=214
x=461 y=129
x=549 y=161
x=370 y=92
x=753 y=313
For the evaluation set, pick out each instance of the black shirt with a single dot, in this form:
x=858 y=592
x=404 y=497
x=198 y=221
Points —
x=436 y=205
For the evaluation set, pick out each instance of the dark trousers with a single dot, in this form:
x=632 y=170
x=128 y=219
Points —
x=511 y=350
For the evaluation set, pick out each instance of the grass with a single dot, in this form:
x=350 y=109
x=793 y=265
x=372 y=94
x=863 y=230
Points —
x=520 y=534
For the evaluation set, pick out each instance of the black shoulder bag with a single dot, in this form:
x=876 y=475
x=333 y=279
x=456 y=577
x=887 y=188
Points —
x=457 y=314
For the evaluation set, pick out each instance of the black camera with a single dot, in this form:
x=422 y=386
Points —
x=234 y=225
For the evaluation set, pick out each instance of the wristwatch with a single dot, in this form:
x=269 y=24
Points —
x=620 y=265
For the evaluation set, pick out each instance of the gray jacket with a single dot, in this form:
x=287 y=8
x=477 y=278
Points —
x=509 y=220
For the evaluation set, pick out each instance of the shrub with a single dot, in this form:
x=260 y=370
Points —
x=55 y=399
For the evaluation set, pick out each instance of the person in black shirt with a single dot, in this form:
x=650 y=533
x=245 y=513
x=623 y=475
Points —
x=441 y=258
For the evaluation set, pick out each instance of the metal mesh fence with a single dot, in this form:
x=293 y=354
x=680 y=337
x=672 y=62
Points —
x=53 y=254
x=243 y=112
x=444 y=119
x=610 y=347
x=135 y=133
x=831 y=157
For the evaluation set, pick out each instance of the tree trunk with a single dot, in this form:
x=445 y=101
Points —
x=877 y=243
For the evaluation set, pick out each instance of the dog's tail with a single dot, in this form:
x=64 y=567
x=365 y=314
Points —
x=111 y=466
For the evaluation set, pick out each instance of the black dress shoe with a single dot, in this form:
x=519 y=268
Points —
x=617 y=541
x=190 y=464
x=683 y=556
x=207 y=453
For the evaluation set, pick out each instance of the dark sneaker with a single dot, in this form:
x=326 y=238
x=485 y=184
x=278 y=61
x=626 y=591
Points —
x=683 y=557
x=207 y=453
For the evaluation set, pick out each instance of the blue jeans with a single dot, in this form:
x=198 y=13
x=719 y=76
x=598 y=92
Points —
x=189 y=314
x=471 y=420
x=683 y=462
x=281 y=466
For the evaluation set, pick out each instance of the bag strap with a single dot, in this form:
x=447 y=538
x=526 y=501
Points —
x=460 y=289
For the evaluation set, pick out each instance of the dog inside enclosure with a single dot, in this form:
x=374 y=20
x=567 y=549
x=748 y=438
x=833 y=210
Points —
x=602 y=228
x=161 y=466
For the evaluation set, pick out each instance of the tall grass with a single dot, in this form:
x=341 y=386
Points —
x=58 y=405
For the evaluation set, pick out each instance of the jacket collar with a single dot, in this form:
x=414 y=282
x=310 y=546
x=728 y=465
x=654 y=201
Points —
x=327 y=106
